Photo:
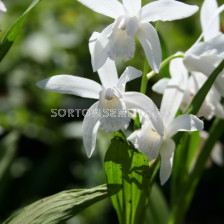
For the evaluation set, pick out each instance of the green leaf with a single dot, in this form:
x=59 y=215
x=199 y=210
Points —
x=12 y=33
x=158 y=211
x=128 y=167
x=62 y=206
x=193 y=148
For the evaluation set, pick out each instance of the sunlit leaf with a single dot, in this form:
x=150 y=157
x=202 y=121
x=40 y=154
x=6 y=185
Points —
x=128 y=167
x=62 y=206
x=12 y=33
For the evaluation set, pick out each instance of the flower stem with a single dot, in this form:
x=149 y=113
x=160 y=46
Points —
x=144 y=77
x=157 y=25
x=164 y=63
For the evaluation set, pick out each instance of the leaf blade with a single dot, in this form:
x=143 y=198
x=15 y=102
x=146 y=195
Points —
x=62 y=206
x=14 y=30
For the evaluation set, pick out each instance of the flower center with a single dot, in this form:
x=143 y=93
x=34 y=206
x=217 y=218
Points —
x=113 y=114
x=109 y=95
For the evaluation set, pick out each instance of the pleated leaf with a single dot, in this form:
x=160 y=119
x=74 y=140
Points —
x=128 y=167
x=62 y=206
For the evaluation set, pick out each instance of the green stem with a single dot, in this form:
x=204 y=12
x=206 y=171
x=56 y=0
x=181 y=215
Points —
x=157 y=25
x=144 y=82
x=164 y=63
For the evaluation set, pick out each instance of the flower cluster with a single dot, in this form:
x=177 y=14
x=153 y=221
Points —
x=117 y=41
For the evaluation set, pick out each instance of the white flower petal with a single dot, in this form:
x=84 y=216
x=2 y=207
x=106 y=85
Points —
x=108 y=72
x=207 y=110
x=167 y=153
x=217 y=154
x=211 y=47
x=167 y=10
x=111 y=8
x=160 y=86
x=99 y=43
x=149 y=40
x=89 y=129
x=219 y=83
x=210 y=30
x=113 y=113
x=185 y=122
x=219 y=110
x=172 y=97
x=128 y=75
x=2 y=7
x=147 y=140
x=71 y=85
x=132 y=26
x=138 y=101
x=195 y=64
x=133 y=6
x=177 y=68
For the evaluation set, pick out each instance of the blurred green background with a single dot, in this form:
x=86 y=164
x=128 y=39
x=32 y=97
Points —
x=41 y=155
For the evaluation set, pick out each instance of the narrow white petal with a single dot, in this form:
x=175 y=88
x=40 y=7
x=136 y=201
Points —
x=2 y=7
x=160 y=86
x=98 y=46
x=111 y=8
x=89 y=129
x=177 y=68
x=128 y=75
x=108 y=74
x=219 y=110
x=133 y=6
x=167 y=10
x=71 y=85
x=217 y=154
x=185 y=122
x=172 y=97
x=148 y=109
x=149 y=40
x=210 y=30
x=147 y=140
x=167 y=153
x=219 y=83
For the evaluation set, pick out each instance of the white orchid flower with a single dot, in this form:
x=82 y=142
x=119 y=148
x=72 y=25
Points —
x=205 y=56
x=211 y=106
x=117 y=40
x=110 y=112
x=210 y=24
x=2 y=7
x=150 y=142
